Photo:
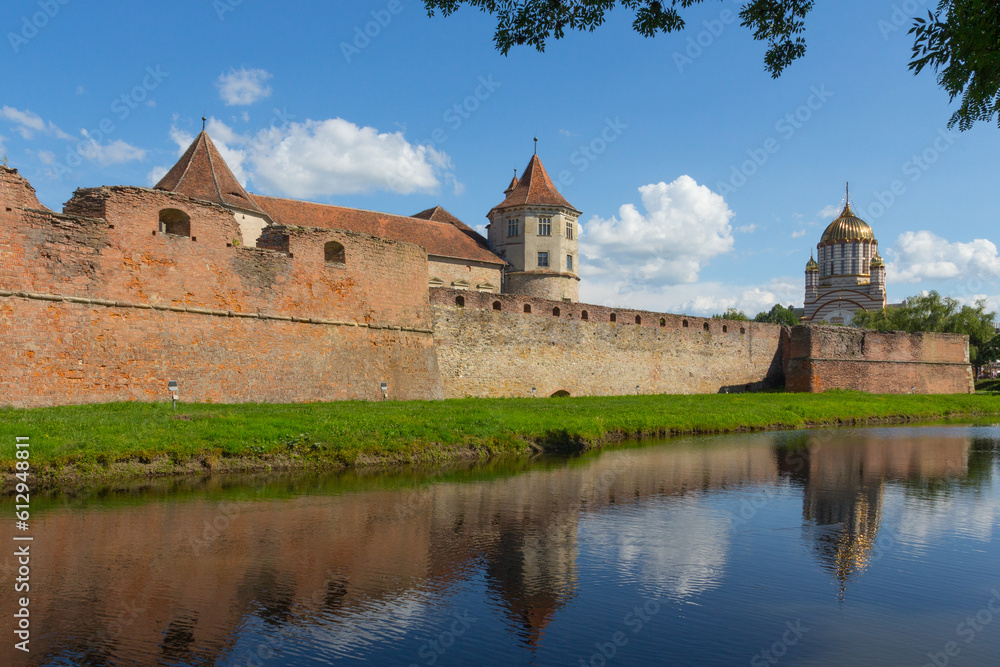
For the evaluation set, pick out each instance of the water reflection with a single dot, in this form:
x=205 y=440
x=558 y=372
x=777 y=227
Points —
x=325 y=569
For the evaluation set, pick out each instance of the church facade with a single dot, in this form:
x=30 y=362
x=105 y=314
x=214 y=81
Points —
x=847 y=274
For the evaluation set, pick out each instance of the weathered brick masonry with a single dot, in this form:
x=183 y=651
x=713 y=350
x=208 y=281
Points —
x=822 y=358
x=100 y=305
x=488 y=345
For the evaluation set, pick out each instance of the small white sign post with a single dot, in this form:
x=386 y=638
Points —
x=172 y=388
x=385 y=390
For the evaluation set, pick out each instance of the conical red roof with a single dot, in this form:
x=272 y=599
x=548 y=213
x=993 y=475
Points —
x=201 y=173
x=513 y=184
x=535 y=187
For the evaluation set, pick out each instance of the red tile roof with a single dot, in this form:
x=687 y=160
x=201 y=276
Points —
x=201 y=173
x=441 y=237
x=513 y=184
x=535 y=187
x=439 y=214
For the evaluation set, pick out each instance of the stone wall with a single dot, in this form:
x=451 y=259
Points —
x=487 y=345
x=822 y=358
x=101 y=305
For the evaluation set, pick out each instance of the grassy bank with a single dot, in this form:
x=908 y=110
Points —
x=134 y=439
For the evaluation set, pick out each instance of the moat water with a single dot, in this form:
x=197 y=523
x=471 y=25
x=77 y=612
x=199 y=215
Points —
x=839 y=547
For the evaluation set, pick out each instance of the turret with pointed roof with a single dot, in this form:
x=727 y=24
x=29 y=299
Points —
x=202 y=173
x=536 y=230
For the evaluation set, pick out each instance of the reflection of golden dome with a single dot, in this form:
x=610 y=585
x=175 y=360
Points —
x=877 y=261
x=812 y=265
x=848 y=227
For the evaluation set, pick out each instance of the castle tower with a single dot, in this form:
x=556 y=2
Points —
x=536 y=230
x=812 y=279
x=848 y=274
x=203 y=174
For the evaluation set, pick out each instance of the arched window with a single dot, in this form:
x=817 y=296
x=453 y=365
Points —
x=333 y=253
x=496 y=305
x=562 y=393
x=725 y=329
x=684 y=323
x=705 y=326
x=460 y=301
x=614 y=317
x=742 y=331
x=527 y=307
x=663 y=321
x=555 y=312
x=176 y=222
x=584 y=315
x=638 y=320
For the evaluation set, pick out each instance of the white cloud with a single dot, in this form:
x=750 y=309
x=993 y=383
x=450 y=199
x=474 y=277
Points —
x=747 y=229
x=319 y=158
x=155 y=174
x=799 y=234
x=829 y=213
x=80 y=90
x=47 y=157
x=924 y=255
x=27 y=123
x=685 y=225
x=117 y=152
x=244 y=86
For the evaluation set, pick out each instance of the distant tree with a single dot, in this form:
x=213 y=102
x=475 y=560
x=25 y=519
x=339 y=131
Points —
x=959 y=40
x=778 y=315
x=933 y=312
x=732 y=314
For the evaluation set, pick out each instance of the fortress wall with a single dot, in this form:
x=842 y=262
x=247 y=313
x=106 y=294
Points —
x=824 y=358
x=486 y=352
x=67 y=353
x=99 y=308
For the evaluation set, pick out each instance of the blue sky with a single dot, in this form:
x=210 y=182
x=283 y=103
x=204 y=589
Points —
x=704 y=182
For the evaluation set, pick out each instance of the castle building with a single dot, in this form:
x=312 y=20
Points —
x=536 y=231
x=847 y=274
x=457 y=255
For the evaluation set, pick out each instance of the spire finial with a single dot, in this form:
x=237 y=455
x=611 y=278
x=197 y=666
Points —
x=536 y=145
x=203 y=121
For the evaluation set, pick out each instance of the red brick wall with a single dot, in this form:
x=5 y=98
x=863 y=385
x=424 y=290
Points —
x=824 y=358
x=230 y=336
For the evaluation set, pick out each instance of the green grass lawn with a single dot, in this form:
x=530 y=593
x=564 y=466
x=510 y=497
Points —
x=321 y=434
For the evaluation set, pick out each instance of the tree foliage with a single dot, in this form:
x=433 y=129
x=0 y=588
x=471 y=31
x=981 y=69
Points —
x=960 y=41
x=778 y=315
x=932 y=312
x=732 y=314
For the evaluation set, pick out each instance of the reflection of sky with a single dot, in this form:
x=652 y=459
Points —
x=667 y=547
x=922 y=521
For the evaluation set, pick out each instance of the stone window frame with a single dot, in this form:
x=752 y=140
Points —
x=513 y=227
x=569 y=262
x=543 y=255
x=545 y=226
x=569 y=230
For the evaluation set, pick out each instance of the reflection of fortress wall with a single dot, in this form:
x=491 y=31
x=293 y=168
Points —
x=333 y=556
x=824 y=358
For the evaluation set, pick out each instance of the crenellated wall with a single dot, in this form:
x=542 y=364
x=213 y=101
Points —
x=487 y=345
x=99 y=304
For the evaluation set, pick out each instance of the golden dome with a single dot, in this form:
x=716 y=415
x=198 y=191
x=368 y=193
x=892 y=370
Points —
x=812 y=265
x=848 y=227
